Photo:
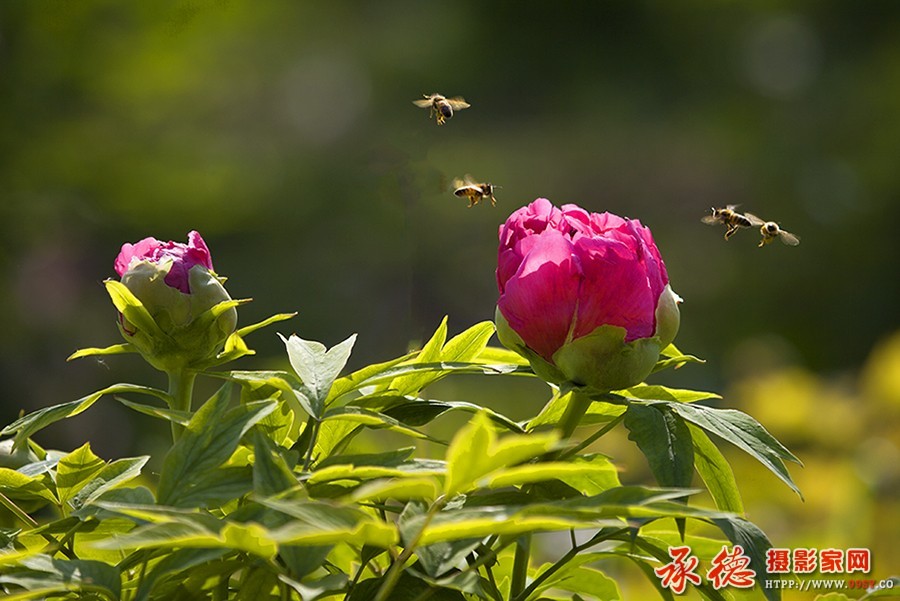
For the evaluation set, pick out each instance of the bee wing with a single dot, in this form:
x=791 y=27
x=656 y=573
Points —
x=731 y=207
x=469 y=180
x=423 y=103
x=457 y=183
x=458 y=103
x=754 y=220
x=788 y=238
x=710 y=220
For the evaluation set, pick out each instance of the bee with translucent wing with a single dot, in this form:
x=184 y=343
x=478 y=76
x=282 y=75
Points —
x=442 y=108
x=728 y=217
x=474 y=191
x=769 y=230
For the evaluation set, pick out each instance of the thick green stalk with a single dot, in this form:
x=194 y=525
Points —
x=181 y=388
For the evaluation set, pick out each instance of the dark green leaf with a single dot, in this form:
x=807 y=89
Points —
x=439 y=558
x=755 y=544
x=210 y=438
x=744 y=432
x=665 y=441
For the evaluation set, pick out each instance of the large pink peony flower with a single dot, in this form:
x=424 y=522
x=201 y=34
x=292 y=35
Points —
x=565 y=273
x=183 y=257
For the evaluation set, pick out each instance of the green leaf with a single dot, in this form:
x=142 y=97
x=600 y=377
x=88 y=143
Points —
x=210 y=438
x=74 y=574
x=317 y=367
x=74 y=470
x=115 y=349
x=430 y=353
x=665 y=441
x=419 y=412
x=716 y=472
x=366 y=417
x=436 y=559
x=212 y=487
x=345 y=389
x=318 y=523
x=755 y=544
x=271 y=475
x=552 y=470
x=17 y=485
x=585 y=581
x=475 y=453
x=177 y=562
x=415 y=469
x=172 y=415
x=662 y=393
x=133 y=309
x=256 y=584
x=408 y=588
x=400 y=489
x=25 y=427
x=109 y=477
x=242 y=332
x=316 y=589
x=744 y=432
x=601 y=475
x=496 y=354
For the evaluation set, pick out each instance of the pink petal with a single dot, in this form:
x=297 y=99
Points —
x=614 y=290
x=539 y=300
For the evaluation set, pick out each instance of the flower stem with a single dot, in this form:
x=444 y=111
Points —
x=181 y=389
x=396 y=569
x=575 y=410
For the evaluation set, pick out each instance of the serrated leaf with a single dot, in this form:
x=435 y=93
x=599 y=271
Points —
x=209 y=439
x=716 y=472
x=744 y=432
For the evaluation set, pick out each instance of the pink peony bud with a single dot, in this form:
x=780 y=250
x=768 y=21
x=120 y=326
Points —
x=192 y=314
x=183 y=257
x=584 y=296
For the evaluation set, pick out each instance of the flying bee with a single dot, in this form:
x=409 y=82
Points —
x=728 y=217
x=771 y=230
x=441 y=107
x=474 y=191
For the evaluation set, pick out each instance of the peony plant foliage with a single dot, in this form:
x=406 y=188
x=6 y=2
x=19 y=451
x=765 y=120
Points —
x=281 y=486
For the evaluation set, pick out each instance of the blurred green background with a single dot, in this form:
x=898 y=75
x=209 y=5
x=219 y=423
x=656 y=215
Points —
x=284 y=132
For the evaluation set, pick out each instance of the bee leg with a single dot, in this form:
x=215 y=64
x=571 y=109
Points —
x=729 y=232
x=493 y=201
